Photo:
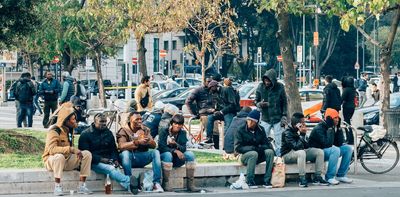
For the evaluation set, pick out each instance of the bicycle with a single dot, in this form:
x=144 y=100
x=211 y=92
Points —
x=376 y=157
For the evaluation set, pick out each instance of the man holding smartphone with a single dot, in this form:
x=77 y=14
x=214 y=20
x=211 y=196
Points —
x=134 y=141
x=295 y=149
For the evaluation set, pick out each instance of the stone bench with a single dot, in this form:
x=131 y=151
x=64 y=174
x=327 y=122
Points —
x=28 y=181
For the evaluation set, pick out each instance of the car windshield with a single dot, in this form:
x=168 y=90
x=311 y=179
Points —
x=245 y=89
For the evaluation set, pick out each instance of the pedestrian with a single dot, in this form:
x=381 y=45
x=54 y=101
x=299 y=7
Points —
x=68 y=88
x=36 y=105
x=238 y=123
x=61 y=155
x=348 y=99
x=143 y=96
x=172 y=146
x=295 y=149
x=328 y=136
x=254 y=147
x=375 y=93
x=99 y=140
x=24 y=92
x=332 y=98
x=80 y=92
x=272 y=102
x=134 y=143
x=362 y=89
x=49 y=90
x=152 y=119
x=200 y=104
x=396 y=82
x=226 y=108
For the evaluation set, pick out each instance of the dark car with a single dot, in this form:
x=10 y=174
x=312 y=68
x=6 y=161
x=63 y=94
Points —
x=179 y=100
x=371 y=113
x=94 y=87
x=168 y=93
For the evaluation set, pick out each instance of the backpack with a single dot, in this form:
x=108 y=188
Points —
x=145 y=100
x=23 y=92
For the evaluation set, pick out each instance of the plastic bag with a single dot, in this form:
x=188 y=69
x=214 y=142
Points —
x=148 y=181
x=278 y=173
x=240 y=183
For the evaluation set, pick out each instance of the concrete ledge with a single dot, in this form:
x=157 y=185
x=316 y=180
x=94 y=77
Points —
x=31 y=181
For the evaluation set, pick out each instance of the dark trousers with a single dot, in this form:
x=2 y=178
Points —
x=48 y=105
x=25 y=110
x=348 y=114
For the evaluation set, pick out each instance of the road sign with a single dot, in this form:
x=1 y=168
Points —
x=357 y=66
x=259 y=52
x=8 y=57
x=279 y=58
x=316 y=38
x=134 y=60
x=299 y=53
x=55 y=60
x=163 y=53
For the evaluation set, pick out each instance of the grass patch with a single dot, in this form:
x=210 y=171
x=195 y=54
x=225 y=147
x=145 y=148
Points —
x=203 y=157
x=21 y=161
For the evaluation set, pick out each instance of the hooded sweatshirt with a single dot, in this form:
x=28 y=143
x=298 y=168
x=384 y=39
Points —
x=129 y=134
x=60 y=138
x=276 y=97
x=349 y=93
x=332 y=98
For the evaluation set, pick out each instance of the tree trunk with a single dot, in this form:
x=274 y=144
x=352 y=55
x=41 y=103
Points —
x=142 y=56
x=102 y=96
x=246 y=68
x=285 y=45
x=385 y=60
x=67 y=60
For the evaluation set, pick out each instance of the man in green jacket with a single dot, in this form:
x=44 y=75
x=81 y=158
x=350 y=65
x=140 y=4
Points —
x=272 y=102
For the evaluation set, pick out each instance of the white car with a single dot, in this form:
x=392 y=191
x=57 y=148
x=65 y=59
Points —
x=157 y=86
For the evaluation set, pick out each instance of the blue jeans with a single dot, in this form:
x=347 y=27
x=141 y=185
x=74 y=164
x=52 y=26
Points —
x=210 y=124
x=332 y=155
x=24 y=110
x=141 y=159
x=114 y=173
x=168 y=157
x=278 y=130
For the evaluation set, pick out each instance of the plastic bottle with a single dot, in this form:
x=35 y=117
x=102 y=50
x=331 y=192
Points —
x=107 y=185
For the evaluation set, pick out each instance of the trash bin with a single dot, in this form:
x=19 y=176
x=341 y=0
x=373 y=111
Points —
x=393 y=122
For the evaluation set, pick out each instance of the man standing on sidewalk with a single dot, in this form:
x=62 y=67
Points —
x=61 y=155
x=68 y=89
x=49 y=89
x=295 y=149
x=143 y=96
x=332 y=98
x=362 y=89
x=24 y=92
x=271 y=100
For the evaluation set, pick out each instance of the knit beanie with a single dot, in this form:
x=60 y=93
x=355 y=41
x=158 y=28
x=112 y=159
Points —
x=254 y=115
x=332 y=113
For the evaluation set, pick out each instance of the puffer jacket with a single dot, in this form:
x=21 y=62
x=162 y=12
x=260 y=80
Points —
x=238 y=123
x=349 y=93
x=275 y=96
x=60 y=138
x=24 y=97
x=180 y=139
x=127 y=134
x=323 y=136
x=47 y=86
x=246 y=141
x=199 y=101
x=227 y=98
x=100 y=143
x=68 y=90
x=140 y=93
x=291 y=140
x=332 y=98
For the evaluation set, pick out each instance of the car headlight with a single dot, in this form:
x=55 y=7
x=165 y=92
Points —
x=370 y=115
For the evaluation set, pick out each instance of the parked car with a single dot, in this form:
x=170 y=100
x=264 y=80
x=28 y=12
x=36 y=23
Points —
x=188 y=82
x=157 y=86
x=371 y=113
x=168 y=93
x=179 y=100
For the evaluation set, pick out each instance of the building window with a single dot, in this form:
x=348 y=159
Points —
x=174 y=45
x=156 y=51
x=166 y=45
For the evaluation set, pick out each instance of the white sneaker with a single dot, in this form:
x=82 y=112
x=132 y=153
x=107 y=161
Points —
x=333 y=181
x=84 y=190
x=344 y=179
x=58 y=191
x=157 y=188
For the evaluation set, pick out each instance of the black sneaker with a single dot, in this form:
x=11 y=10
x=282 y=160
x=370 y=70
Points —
x=134 y=185
x=318 y=180
x=303 y=182
x=252 y=185
x=267 y=186
x=209 y=140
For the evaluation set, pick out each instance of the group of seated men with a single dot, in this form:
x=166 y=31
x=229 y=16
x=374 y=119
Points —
x=134 y=148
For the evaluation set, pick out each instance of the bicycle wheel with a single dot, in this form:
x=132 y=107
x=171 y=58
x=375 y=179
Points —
x=383 y=160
